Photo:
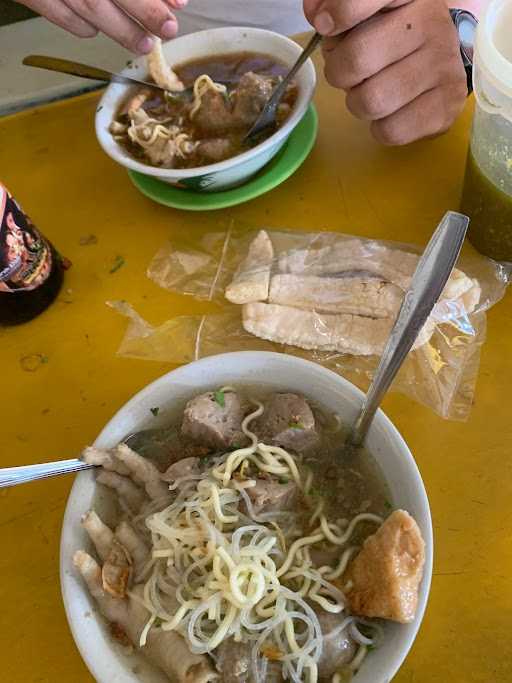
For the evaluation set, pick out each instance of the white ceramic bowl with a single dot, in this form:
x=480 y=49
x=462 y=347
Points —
x=218 y=41
x=105 y=660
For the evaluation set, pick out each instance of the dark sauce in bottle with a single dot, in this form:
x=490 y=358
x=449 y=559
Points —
x=31 y=270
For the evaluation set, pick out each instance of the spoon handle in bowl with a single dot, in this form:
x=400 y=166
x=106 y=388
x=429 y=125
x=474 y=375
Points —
x=12 y=476
x=267 y=117
x=306 y=53
x=66 y=66
x=430 y=277
x=280 y=90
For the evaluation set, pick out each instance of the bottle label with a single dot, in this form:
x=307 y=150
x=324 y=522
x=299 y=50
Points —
x=25 y=256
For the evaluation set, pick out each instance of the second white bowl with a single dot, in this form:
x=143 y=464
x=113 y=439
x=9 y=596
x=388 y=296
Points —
x=274 y=371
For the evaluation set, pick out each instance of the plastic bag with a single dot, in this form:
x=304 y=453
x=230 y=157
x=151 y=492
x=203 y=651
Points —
x=327 y=297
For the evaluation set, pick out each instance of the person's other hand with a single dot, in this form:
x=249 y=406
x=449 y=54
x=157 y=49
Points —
x=398 y=62
x=129 y=22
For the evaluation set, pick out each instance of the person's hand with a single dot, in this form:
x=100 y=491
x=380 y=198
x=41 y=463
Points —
x=399 y=63
x=129 y=22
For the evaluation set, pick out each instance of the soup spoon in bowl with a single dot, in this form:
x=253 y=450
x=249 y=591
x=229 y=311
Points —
x=93 y=73
x=429 y=279
x=150 y=443
x=266 y=121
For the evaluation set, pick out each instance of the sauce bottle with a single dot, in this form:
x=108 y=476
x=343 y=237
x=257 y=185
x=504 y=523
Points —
x=487 y=192
x=31 y=271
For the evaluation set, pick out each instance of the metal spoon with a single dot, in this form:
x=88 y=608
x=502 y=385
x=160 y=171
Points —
x=428 y=282
x=267 y=119
x=66 y=66
x=151 y=443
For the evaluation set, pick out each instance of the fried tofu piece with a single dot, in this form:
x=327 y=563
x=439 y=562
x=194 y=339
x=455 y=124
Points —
x=252 y=279
x=356 y=295
x=385 y=576
x=341 y=332
x=392 y=265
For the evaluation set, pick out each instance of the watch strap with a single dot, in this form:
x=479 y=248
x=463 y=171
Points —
x=457 y=15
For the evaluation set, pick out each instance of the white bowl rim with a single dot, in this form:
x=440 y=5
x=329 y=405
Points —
x=296 y=116
x=69 y=520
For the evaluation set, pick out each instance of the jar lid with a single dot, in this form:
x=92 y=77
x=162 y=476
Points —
x=493 y=59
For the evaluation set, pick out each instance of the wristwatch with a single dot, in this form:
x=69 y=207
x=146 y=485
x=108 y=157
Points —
x=466 y=24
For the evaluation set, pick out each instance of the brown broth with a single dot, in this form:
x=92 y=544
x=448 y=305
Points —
x=230 y=68
x=349 y=487
x=225 y=69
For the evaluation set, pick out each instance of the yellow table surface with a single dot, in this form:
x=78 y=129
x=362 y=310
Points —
x=50 y=159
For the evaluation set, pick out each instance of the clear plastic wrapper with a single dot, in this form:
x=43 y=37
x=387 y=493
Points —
x=327 y=297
